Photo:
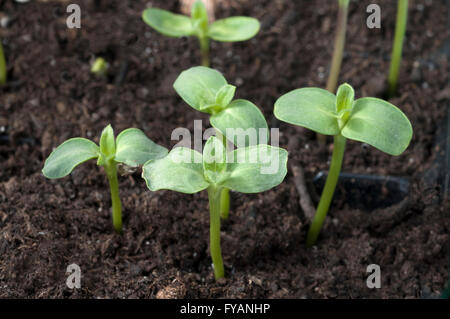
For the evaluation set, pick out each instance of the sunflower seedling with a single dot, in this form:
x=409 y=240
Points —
x=231 y=29
x=131 y=148
x=251 y=169
x=239 y=121
x=368 y=120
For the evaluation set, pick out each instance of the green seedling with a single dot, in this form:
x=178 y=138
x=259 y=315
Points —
x=251 y=169
x=207 y=91
x=231 y=29
x=3 y=72
x=396 y=58
x=368 y=120
x=100 y=67
x=339 y=44
x=131 y=148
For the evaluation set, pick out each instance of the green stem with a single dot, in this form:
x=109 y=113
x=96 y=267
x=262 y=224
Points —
x=339 y=43
x=224 y=203
x=225 y=194
x=111 y=173
x=214 y=231
x=204 y=47
x=396 y=59
x=3 y=72
x=328 y=191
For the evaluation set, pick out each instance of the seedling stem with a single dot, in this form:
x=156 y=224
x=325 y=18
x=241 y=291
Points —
x=204 y=47
x=111 y=173
x=214 y=196
x=396 y=59
x=339 y=44
x=224 y=203
x=2 y=65
x=328 y=191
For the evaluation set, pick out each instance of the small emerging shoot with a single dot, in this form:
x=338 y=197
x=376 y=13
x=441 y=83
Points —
x=100 y=67
x=225 y=30
x=207 y=91
x=251 y=169
x=131 y=148
x=396 y=58
x=368 y=120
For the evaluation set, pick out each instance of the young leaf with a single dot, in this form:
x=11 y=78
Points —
x=312 y=108
x=234 y=29
x=199 y=16
x=168 y=23
x=135 y=148
x=380 y=124
x=68 y=155
x=198 y=86
x=344 y=98
x=244 y=119
x=256 y=168
x=181 y=171
x=214 y=160
x=225 y=95
x=107 y=141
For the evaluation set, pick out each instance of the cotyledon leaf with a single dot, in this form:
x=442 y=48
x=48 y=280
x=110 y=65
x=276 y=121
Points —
x=68 y=155
x=380 y=124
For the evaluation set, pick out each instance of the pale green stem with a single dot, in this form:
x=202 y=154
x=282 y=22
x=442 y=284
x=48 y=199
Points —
x=204 y=48
x=214 y=231
x=3 y=73
x=339 y=44
x=328 y=191
x=111 y=173
x=396 y=58
x=225 y=203
x=225 y=194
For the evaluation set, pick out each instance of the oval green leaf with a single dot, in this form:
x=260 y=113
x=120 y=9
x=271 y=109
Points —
x=242 y=123
x=312 y=108
x=168 y=23
x=181 y=171
x=256 y=168
x=234 y=29
x=380 y=124
x=135 y=148
x=68 y=155
x=198 y=86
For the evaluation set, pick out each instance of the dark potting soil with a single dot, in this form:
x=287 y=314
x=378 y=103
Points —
x=51 y=96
